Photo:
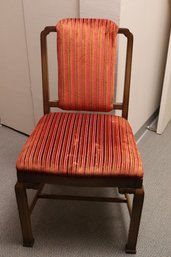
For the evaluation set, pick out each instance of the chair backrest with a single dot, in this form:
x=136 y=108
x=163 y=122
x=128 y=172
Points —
x=86 y=65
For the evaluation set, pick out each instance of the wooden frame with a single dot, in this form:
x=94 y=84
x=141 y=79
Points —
x=47 y=104
x=125 y=185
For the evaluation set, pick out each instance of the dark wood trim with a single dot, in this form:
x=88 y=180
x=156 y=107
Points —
x=83 y=198
x=35 y=199
x=116 y=106
x=90 y=181
x=45 y=77
x=135 y=211
x=24 y=214
x=129 y=205
x=54 y=103
x=128 y=66
x=47 y=103
x=135 y=221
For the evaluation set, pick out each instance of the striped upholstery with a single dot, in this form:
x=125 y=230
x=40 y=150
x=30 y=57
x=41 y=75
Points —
x=81 y=145
x=86 y=63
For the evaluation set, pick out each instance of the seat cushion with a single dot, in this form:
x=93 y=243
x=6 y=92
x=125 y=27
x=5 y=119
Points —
x=81 y=144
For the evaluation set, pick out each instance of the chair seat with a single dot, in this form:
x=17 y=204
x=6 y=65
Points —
x=81 y=144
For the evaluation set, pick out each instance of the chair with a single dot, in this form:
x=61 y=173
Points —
x=87 y=149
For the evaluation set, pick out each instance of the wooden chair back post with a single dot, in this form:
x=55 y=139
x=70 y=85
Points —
x=44 y=61
x=47 y=104
x=128 y=66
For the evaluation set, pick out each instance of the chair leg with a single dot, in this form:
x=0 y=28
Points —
x=24 y=214
x=135 y=221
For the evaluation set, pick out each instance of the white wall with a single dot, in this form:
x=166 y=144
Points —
x=39 y=14
x=109 y=9
x=150 y=23
x=165 y=107
x=16 y=107
x=148 y=20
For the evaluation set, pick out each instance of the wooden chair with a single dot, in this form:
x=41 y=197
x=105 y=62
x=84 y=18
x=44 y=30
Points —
x=76 y=148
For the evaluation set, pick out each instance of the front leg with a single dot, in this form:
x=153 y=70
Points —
x=135 y=220
x=24 y=214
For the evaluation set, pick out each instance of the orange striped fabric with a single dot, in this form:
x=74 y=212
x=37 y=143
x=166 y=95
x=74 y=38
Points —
x=81 y=144
x=86 y=63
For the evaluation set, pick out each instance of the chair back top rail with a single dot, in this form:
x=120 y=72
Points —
x=47 y=104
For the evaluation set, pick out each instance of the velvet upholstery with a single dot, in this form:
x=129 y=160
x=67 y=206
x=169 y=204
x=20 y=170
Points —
x=81 y=145
x=86 y=63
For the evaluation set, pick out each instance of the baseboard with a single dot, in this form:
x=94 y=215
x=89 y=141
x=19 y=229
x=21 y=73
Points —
x=18 y=131
x=142 y=130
